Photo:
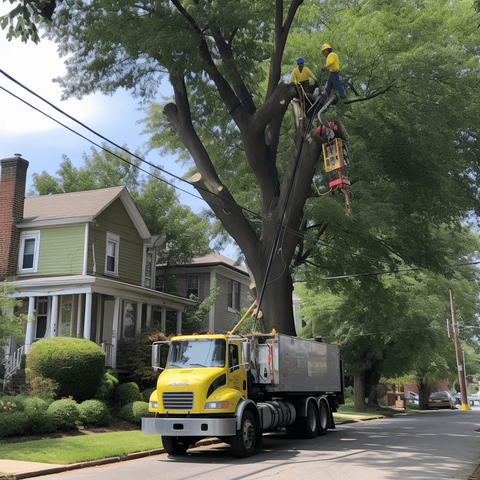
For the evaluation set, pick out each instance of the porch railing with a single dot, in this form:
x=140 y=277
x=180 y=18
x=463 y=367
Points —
x=13 y=362
x=108 y=349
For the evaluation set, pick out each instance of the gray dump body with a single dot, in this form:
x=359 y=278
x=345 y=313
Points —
x=289 y=364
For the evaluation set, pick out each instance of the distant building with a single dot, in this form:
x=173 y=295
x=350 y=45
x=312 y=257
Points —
x=233 y=282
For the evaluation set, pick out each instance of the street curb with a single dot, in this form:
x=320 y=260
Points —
x=96 y=463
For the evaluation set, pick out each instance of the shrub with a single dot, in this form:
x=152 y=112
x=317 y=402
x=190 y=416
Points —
x=348 y=394
x=138 y=355
x=13 y=424
x=134 y=411
x=39 y=421
x=64 y=414
x=146 y=394
x=94 y=412
x=36 y=404
x=43 y=388
x=12 y=403
x=107 y=386
x=128 y=393
x=77 y=365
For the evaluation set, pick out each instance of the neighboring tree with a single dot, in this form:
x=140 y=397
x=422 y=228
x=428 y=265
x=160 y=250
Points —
x=414 y=149
x=11 y=324
x=187 y=235
x=392 y=325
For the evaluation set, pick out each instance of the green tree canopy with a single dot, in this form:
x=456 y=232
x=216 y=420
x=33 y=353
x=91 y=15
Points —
x=392 y=325
x=11 y=325
x=413 y=144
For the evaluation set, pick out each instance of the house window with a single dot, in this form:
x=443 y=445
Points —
x=28 y=254
x=234 y=295
x=42 y=316
x=111 y=256
x=192 y=285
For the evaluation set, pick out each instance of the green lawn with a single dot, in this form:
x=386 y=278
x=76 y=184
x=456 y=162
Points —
x=81 y=448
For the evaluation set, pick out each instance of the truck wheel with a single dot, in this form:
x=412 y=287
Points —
x=310 y=422
x=323 y=419
x=176 y=445
x=243 y=443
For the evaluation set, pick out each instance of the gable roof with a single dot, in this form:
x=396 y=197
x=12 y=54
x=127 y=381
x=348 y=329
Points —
x=78 y=207
x=215 y=259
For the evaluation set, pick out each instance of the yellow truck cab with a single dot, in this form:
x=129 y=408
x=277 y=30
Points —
x=235 y=387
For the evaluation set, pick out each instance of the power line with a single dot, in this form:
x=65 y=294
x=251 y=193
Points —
x=244 y=209
x=152 y=165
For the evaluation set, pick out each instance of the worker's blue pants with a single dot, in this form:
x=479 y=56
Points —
x=335 y=81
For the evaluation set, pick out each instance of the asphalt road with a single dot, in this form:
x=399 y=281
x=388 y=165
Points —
x=432 y=445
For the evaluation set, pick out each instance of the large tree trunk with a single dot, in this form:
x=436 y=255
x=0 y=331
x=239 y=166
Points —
x=372 y=377
x=359 y=392
x=423 y=394
x=269 y=251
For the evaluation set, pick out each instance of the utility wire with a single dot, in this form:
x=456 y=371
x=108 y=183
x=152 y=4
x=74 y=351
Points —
x=244 y=209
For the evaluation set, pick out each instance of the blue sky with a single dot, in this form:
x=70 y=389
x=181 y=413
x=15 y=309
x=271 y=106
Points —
x=40 y=140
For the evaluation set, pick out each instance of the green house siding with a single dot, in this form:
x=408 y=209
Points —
x=61 y=250
x=116 y=220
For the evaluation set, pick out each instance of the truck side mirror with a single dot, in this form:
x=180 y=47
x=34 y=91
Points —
x=246 y=355
x=159 y=355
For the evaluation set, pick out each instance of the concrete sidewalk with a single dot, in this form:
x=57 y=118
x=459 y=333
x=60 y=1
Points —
x=17 y=469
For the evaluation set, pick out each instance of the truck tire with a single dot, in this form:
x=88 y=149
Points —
x=243 y=443
x=323 y=419
x=176 y=445
x=309 y=423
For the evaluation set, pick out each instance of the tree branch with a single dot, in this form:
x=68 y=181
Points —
x=225 y=91
x=369 y=97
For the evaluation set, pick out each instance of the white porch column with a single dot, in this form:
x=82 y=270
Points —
x=116 y=322
x=30 y=331
x=53 y=317
x=149 y=314
x=79 y=315
x=138 y=320
x=87 y=326
x=163 y=321
x=179 y=321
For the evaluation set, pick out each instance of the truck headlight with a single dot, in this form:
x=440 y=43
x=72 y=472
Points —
x=216 y=405
x=153 y=405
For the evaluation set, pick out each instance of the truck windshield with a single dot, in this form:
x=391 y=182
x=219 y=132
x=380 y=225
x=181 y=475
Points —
x=196 y=354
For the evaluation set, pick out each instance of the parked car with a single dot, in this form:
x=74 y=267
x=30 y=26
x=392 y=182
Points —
x=411 y=397
x=441 y=400
x=474 y=397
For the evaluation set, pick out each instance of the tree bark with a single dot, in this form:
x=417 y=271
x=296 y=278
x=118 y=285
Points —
x=359 y=392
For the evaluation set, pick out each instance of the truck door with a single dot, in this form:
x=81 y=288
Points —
x=237 y=377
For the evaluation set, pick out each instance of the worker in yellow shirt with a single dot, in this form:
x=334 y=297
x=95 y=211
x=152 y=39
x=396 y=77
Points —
x=301 y=74
x=332 y=64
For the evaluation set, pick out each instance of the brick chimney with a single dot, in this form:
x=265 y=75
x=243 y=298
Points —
x=12 y=200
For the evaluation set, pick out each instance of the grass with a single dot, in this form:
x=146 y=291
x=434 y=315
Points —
x=81 y=448
x=345 y=412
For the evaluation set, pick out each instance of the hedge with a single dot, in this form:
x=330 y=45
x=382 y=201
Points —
x=77 y=365
x=64 y=414
x=128 y=393
x=95 y=413
x=134 y=411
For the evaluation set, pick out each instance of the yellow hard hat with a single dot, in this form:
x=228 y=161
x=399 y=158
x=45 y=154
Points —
x=325 y=46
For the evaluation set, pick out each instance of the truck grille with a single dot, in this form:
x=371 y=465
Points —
x=177 y=400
